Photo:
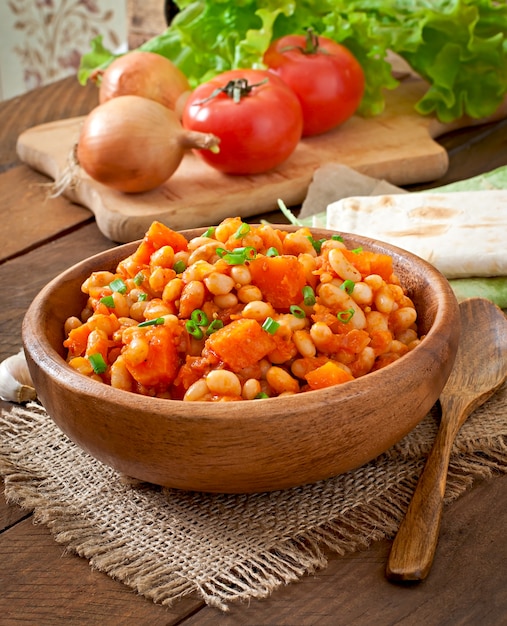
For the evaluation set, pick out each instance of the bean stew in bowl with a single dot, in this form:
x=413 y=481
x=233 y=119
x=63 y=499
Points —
x=243 y=357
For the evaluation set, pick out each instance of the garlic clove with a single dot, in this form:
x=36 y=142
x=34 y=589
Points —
x=15 y=381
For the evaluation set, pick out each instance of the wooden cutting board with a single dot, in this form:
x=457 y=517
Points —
x=397 y=146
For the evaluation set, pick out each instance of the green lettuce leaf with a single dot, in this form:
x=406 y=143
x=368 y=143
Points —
x=494 y=289
x=99 y=57
x=458 y=46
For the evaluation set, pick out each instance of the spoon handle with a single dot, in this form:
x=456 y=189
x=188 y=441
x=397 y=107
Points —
x=415 y=543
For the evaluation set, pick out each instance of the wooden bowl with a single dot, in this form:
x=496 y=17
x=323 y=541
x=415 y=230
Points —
x=235 y=447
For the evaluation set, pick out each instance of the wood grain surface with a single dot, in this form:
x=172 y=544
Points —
x=397 y=146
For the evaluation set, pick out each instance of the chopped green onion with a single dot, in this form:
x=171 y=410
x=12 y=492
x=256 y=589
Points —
x=288 y=213
x=98 y=363
x=308 y=296
x=108 y=301
x=270 y=325
x=297 y=311
x=316 y=243
x=348 y=286
x=272 y=251
x=193 y=329
x=118 y=285
x=238 y=256
x=261 y=396
x=248 y=251
x=209 y=233
x=157 y=321
x=139 y=279
x=234 y=259
x=243 y=230
x=179 y=266
x=214 y=326
x=142 y=297
x=337 y=238
x=199 y=317
x=357 y=250
x=345 y=316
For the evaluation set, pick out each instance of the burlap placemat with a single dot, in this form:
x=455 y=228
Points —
x=165 y=544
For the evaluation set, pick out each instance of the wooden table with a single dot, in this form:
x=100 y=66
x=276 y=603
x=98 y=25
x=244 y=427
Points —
x=40 y=584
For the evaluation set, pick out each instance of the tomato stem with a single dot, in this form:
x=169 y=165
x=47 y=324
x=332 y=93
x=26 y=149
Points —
x=235 y=89
x=311 y=44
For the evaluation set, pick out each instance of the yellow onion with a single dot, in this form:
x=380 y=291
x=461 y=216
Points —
x=133 y=144
x=146 y=74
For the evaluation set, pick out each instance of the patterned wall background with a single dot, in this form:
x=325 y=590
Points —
x=42 y=40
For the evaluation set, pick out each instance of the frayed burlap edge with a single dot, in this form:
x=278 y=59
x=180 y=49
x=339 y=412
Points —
x=258 y=574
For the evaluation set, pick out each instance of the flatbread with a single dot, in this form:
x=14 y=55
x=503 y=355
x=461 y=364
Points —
x=462 y=234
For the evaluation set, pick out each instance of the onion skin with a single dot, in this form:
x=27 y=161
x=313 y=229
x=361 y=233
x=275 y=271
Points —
x=146 y=74
x=133 y=144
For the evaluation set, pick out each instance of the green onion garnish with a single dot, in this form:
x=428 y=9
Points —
x=193 y=329
x=139 y=279
x=238 y=256
x=234 y=259
x=98 y=363
x=348 y=286
x=261 y=396
x=345 y=316
x=249 y=252
x=142 y=297
x=214 y=326
x=316 y=243
x=270 y=326
x=108 y=301
x=308 y=296
x=179 y=266
x=297 y=311
x=272 y=251
x=199 y=317
x=243 y=230
x=157 y=321
x=209 y=233
x=357 y=250
x=118 y=285
x=337 y=238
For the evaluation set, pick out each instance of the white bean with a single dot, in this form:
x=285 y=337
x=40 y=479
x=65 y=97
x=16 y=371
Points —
x=223 y=382
x=249 y=293
x=383 y=300
x=197 y=391
x=280 y=380
x=375 y=320
x=362 y=294
x=342 y=266
x=241 y=274
x=403 y=318
x=339 y=300
x=120 y=376
x=321 y=335
x=258 y=310
x=226 y=301
x=219 y=284
x=304 y=343
x=251 y=389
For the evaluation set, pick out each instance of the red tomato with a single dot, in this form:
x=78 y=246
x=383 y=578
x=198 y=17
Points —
x=325 y=76
x=256 y=133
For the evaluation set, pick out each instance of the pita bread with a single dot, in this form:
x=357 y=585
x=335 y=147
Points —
x=462 y=234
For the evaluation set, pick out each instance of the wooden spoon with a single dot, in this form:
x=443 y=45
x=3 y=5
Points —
x=479 y=370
